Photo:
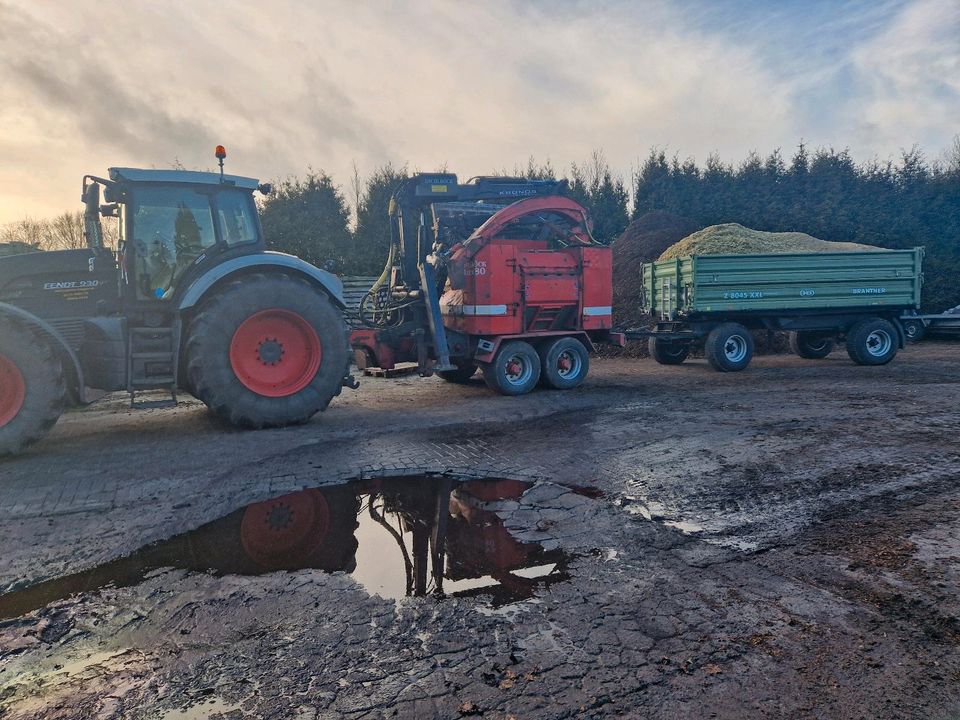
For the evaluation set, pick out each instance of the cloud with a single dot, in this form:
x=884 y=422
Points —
x=909 y=78
x=475 y=86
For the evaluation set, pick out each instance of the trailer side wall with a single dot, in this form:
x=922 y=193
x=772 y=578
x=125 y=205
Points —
x=784 y=282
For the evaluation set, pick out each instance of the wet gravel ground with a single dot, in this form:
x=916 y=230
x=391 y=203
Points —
x=782 y=542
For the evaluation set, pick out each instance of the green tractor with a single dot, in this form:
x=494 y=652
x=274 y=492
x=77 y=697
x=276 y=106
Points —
x=191 y=299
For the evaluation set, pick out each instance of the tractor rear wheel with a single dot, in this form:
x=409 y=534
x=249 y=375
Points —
x=811 y=345
x=267 y=351
x=460 y=376
x=515 y=369
x=564 y=363
x=32 y=387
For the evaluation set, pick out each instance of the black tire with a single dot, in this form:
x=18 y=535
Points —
x=564 y=363
x=914 y=330
x=872 y=341
x=668 y=352
x=460 y=376
x=729 y=347
x=211 y=351
x=812 y=345
x=30 y=366
x=502 y=376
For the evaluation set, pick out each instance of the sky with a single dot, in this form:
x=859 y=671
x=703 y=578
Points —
x=473 y=87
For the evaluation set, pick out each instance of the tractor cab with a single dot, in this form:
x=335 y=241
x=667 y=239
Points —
x=174 y=225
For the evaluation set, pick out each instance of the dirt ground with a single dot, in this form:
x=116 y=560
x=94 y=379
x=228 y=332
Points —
x=782 y=542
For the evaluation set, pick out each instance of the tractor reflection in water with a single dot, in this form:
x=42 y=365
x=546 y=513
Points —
x=447 y=538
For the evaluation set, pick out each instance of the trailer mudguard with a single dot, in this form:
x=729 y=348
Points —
x=330 y=283
x=71 y=363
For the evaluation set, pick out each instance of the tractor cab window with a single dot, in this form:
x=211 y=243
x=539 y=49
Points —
x=171 y=227
x=235 y=215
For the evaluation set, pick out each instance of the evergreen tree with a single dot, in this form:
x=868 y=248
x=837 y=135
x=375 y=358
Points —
x=308 y=218
x=371 y=237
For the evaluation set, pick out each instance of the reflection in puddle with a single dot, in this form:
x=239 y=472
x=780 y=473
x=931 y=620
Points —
x=396 y=536
x=201 y=712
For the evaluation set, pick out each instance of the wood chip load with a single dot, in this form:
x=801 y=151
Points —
x=735 y=239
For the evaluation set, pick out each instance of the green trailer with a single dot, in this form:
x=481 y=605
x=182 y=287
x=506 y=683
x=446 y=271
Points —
x=863 y=298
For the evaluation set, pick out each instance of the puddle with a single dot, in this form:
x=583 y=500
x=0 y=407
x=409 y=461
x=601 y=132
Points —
x=397 y=537
x=202 y=711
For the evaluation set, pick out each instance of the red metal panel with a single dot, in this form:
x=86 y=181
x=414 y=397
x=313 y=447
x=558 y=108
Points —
x=495 y=282
x=597 y=288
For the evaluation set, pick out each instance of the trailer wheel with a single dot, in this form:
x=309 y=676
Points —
x=811 y=345
x=872 y=341
x=515 y=369
x=668 y=352
x=729 y=347
x=32 y=386
x=267 y=351
x=914 y=330
x=564 y=363
x=460 y=376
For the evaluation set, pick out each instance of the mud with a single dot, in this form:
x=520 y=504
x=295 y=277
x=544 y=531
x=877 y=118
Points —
x=777 y=543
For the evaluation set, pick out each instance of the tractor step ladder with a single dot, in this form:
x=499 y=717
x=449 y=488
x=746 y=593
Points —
x=152 y=362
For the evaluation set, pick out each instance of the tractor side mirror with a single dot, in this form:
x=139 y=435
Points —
x=111 y=210
x=92 y=231
x=265 y=188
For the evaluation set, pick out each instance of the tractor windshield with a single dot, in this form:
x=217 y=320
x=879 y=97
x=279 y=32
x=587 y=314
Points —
x=171 y=227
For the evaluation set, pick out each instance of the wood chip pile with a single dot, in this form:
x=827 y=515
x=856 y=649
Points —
x=643 y=241
x=735 y=239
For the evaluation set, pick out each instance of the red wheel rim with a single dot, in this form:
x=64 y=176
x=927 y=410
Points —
x=13 y=390
x=283 y=532
x=275 y=353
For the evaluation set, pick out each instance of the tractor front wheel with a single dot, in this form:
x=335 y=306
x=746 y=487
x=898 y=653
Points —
x=267 y=351
x=32 y=388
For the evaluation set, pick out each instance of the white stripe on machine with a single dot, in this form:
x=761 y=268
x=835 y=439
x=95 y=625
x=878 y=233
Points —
x=597 y=310
x=474 y=309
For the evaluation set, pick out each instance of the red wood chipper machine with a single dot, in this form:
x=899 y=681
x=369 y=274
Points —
x=497 y=274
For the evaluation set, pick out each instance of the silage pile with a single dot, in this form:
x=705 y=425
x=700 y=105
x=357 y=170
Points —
x=735 y=239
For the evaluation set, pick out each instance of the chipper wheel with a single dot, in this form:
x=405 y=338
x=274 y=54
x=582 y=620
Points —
x=811 y=345
x=872 y=341
x=32 y=388
x=267 y=351
x=668 y=352
x=729 y=347
x=461 y=375
x=564 y=363
x=515 y=369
